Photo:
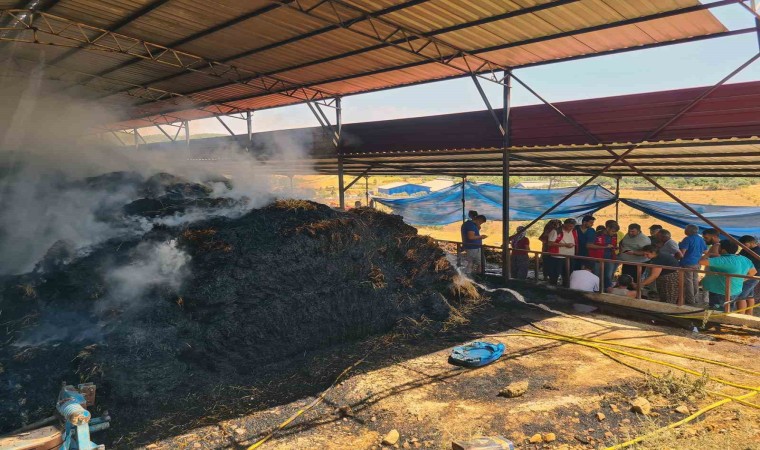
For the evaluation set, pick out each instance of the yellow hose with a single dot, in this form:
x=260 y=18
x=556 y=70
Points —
x=606 y=351
x=684 y=421
x=664 y=352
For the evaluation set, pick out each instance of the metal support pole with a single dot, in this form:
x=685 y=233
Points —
x=339 y=150
x=137 y=138
x=617 y=200
x=187 y=133
x=464 y=213
x=249 y=127
x=366 y=190
x=506 y=260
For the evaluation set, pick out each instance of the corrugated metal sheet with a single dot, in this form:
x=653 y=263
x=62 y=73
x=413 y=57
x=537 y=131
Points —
x=720 y=136
x=314 y=51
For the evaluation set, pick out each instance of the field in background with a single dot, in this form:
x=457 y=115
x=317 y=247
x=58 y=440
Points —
x=744 y=196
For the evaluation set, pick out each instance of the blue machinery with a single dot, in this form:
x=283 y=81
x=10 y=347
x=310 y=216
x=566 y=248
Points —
x=72 y=406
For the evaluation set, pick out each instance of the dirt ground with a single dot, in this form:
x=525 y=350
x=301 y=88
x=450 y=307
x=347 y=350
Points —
x=407 y=385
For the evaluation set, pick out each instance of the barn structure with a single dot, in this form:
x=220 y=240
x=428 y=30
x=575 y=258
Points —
x=174 y=61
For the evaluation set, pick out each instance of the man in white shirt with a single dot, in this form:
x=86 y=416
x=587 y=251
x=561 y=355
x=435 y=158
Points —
x=584 y=280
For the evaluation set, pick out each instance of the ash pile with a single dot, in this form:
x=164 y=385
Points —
x=163 y=320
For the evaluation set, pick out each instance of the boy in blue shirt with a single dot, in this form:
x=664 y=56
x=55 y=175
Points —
x=729 y=263
x=692 y=248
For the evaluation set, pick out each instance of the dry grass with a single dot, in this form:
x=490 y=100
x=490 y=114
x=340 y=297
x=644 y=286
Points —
x=729 y=435
x=675 y=388
x=376 y=277
x=292 y=204
x=28 y=290
x=462 y=288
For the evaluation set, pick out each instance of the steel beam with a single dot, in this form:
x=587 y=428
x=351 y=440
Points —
x=506 y=260
x=358 y=177
x=339 y=150
x=118 y=25
x=89 y=38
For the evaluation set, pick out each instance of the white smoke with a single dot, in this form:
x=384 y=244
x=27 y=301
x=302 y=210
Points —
x=152 y=265
x=48 y=147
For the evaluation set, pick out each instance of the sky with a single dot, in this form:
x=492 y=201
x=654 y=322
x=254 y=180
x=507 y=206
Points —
x=670 y=67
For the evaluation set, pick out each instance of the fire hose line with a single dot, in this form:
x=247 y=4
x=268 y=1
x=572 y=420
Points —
x=580 y=341
x=708 y=313
x=606 y=351
x=652 y=350
x=642 y=371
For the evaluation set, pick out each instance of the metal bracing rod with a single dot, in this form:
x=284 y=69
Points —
x=232 y=133
x=358 y=177
x=621 y=157
x=404 y=38
x=407 y=169
x=753 y=9
x=415 y=64
x=89 y=38
x=118 y=25
x=168 y=136
x=488 y=105
x=118 y=138
x=645 y=18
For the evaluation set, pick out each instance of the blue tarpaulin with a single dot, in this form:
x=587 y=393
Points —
x=445 y=206
x=735 y=220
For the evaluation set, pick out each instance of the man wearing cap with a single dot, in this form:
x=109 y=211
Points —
x=586 y=235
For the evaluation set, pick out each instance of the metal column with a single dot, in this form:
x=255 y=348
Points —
x=338 y=148
x=464 y=212
x=617 y=199
x=506 y=266
x=187 y=133
x=249 y=125
x=136 y=135
x=366 y=190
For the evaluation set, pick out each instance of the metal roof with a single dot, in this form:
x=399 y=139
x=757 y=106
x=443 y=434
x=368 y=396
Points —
x=172 y=60
x=720 y=136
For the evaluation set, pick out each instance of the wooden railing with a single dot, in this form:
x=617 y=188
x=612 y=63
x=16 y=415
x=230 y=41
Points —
x=640 y=267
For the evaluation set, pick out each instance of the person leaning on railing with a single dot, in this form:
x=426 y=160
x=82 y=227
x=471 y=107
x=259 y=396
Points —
x=666 y=279
x=747 y=297
x=730 y=263
x=630 y=250
x=692 y=248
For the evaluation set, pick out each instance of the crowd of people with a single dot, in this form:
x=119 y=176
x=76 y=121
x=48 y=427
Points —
x=562 y=240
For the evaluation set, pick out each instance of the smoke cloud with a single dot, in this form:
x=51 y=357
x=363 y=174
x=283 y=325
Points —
x=48 y=150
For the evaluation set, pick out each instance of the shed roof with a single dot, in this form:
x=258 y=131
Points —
x=169 y=60
x=718 y=137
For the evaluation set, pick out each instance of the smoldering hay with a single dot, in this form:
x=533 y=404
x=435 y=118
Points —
x=171 y=286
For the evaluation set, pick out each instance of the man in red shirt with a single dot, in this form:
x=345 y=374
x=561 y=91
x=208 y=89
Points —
x=604 y=248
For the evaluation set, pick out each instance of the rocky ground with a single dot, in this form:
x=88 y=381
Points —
x=542 y=394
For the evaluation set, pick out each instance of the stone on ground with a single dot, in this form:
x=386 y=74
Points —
x=515 y=389
x=391 y=438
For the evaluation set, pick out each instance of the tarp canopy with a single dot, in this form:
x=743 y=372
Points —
x=735 y=220
x=445 y=206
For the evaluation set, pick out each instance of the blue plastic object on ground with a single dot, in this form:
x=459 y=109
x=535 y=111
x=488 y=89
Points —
x=476 y=354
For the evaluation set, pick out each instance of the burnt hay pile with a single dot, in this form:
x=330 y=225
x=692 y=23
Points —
x=160 y=321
